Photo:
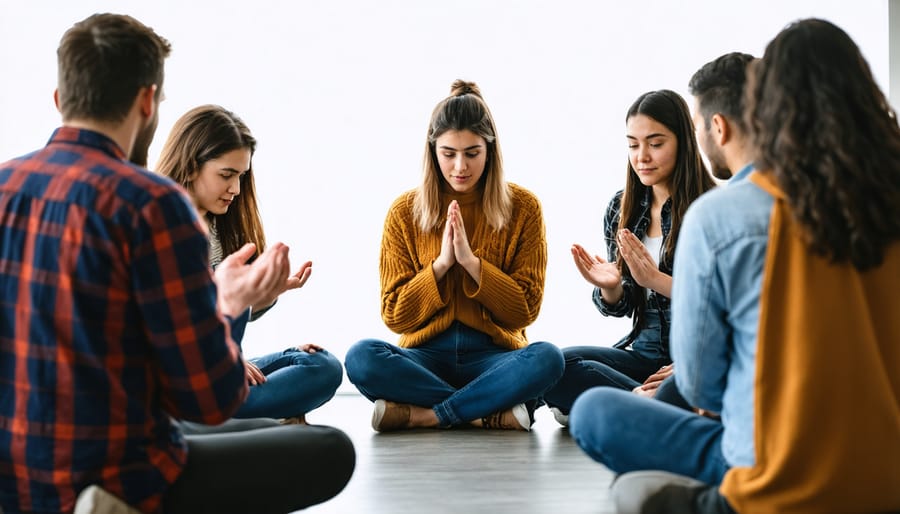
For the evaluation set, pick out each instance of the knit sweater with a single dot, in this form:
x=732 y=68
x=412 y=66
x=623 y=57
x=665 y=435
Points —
x=513 y=263
x=827 y=387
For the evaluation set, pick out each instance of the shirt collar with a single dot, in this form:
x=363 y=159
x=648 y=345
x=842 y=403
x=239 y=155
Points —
x=84 y=137
x=741 y=175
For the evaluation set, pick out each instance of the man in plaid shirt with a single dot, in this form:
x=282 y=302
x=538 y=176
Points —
x=111 y=323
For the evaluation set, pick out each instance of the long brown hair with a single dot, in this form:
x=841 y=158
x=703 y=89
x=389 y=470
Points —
x=689 y=179
x=464 y=109
x=817 y=120
x=200 y=135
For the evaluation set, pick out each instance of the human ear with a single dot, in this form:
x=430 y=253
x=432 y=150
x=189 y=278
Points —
x=721 y=131
x=147 y=99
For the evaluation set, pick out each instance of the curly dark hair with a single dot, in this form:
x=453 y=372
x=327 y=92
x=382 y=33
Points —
x=817 y=120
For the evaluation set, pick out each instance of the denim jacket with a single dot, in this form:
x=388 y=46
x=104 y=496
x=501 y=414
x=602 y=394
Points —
x=655 y=301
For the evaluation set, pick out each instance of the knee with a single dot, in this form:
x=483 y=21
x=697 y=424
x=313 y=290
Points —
x=599 y=416
x=339 y=446
x=329 y=448
x=360 y=358
x=332 y=370
x=332 y=366
x=338 y=449
x=549 y=358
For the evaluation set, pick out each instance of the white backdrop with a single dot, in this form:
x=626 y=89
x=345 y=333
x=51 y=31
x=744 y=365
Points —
x=339 y=94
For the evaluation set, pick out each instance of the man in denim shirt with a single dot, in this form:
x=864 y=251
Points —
x=637 y=434
x=717 y=88
x=780 y=276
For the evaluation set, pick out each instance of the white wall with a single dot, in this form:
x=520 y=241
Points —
x=339 y=94
x=894 y=57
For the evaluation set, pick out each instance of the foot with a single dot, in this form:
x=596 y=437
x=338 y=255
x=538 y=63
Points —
x=649 y=492
x=390 y=416
x=95 y=500
x=562 y=419
x=516 y=418
x=295 y=420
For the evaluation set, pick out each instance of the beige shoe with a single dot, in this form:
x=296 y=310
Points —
x=389 y=416
x=295 y=420
x=95 y=500
x=516 y=418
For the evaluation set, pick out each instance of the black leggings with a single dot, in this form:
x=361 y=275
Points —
x=260 y=466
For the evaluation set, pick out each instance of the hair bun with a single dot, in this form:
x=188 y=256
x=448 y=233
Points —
x=461 y=87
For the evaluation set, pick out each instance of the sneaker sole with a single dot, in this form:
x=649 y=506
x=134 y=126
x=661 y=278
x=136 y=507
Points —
x=378 y=414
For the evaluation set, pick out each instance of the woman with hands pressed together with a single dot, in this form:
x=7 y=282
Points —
x=665 y=174
x=462 y=266
x=209 y=152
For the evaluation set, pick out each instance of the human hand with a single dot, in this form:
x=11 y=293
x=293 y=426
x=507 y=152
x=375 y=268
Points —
x=595 y=270
x=708 y=414
x=447 y=258
x=640 y=263
x=309 y=348
x=461 y=249
x=241 y=285
x=294 y=281
x=254 y=375
x=649 y=387
x=646 y=393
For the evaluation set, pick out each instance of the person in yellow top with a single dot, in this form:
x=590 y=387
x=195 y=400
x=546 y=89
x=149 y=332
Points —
x=785 y=305
x=463 y=259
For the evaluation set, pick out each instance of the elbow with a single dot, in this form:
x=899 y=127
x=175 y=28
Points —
x=394 y=323
x=517 y=319
x=228 y=410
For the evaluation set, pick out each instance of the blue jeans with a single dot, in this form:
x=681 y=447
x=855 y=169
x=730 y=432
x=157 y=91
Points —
x=626 y=432
x=668 y=392
x=296 y=383
x=593 y=366
x=460 y=373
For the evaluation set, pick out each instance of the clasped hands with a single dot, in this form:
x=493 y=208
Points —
x=455 y=247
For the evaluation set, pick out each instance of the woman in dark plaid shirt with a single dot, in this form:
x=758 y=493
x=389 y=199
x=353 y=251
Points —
x=665 y=174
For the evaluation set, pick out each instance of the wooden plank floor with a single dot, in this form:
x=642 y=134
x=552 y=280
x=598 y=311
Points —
x=467 y=471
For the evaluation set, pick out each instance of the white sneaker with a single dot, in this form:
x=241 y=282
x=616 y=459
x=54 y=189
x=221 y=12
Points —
x=562 y=419
x=95 y=500
x=514 y=418
x=520 y=411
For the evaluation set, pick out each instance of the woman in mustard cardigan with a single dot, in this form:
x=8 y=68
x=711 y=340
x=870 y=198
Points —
x=463 y=259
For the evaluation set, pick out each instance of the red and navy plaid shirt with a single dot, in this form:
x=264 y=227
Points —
x=108 y=326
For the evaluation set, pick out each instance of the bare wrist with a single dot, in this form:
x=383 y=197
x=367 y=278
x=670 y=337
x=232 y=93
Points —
x=612 y=296
x=439 y=269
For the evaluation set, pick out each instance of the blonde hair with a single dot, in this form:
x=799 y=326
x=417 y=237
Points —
x=464 y=109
